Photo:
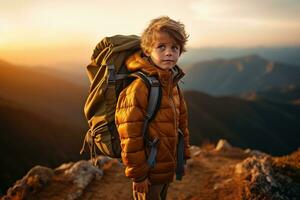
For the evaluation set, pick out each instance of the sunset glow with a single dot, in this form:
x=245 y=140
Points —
x=49 y=32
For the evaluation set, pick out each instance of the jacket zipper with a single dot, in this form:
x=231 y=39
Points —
x=174 y=108
x=175 y=123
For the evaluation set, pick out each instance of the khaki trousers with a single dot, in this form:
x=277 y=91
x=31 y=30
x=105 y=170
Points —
x=156 y=192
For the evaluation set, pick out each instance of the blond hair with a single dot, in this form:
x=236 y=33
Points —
x=174 y=29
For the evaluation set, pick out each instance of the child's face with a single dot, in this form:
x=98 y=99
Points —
x=165 y=51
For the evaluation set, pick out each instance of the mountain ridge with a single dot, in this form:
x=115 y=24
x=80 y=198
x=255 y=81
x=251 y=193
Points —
x=237 y=75
x=244 y=123
x=42 y=93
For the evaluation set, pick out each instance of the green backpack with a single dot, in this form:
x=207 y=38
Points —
x=108 y=75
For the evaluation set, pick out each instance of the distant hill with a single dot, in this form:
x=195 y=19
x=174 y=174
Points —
x=43 y=93
x=77 y=77
x=262 y=124
x=28 y=139
x=42 y=120
x=288 y=94
x=239 y=75
x=289 y=55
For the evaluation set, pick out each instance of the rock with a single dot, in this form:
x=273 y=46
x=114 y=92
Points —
x=258 y=167
x=197 y=153
x=255 y=153
x=35 y=180
x=102 y=160
x=261 y=181
x=223 y=145
x=63 y=167
x=232 y=174
x=81 y=174
x=194 y=148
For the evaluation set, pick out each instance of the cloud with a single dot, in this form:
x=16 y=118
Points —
x=245 y=23
x=247 y=11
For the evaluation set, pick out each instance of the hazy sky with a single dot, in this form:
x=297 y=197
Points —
x=53 y=31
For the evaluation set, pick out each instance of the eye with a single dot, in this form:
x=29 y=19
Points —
x=175 y=48
x=161 y=47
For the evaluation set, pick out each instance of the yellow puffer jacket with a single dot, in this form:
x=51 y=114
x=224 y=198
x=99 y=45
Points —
x=172 y=114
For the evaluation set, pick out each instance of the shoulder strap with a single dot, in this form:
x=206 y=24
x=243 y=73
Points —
x=155 y=93
x=154 y=100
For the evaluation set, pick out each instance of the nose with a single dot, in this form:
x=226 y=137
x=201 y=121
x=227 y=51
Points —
x=168 y=52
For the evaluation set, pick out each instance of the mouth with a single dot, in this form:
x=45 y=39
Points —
x=168 y=60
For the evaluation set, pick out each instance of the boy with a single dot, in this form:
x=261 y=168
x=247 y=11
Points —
x=162 y=43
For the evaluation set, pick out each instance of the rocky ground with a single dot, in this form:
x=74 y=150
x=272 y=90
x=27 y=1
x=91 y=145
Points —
x=214 y=172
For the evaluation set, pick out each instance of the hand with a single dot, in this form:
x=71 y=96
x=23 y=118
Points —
x=142 y=187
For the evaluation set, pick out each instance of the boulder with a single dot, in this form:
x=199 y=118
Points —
x=35 y=180
x=262 y=181
x=223 y=145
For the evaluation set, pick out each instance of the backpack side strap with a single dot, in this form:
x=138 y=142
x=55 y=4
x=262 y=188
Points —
x=180 y=156
x=154 y=99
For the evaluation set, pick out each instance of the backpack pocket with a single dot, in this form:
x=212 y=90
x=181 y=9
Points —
x=107 y=140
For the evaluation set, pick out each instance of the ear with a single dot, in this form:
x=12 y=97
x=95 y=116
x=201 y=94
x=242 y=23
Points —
x=147 y=54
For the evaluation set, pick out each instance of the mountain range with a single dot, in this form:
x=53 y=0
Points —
x=75 y=72
x=270 y=126
x=44 y=93
x=289 y=54
x=42 y=120
x=239 y=75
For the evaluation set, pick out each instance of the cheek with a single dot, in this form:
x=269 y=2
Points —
x=155 y=56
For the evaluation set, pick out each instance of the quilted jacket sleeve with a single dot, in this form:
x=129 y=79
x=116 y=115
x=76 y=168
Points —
x=183 y=125
x=129 y=118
